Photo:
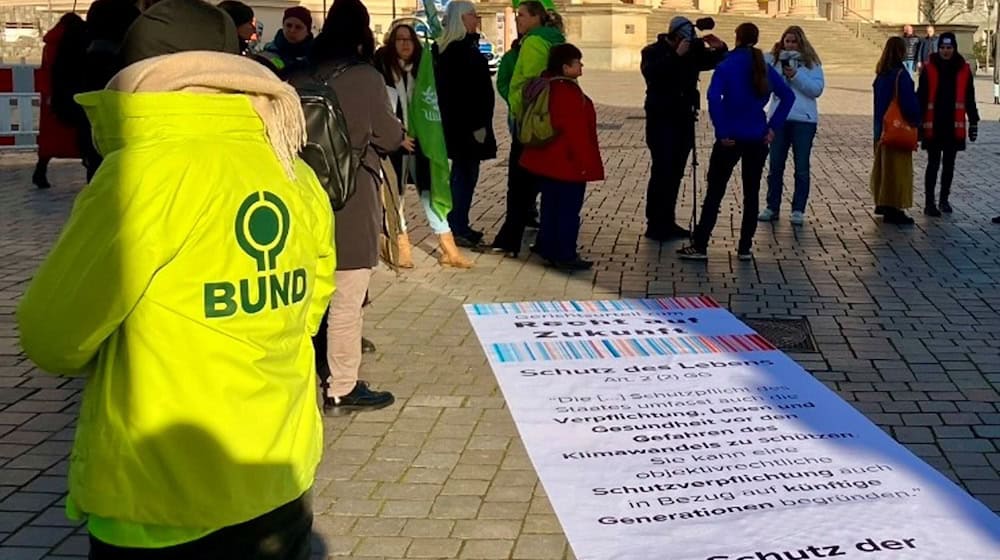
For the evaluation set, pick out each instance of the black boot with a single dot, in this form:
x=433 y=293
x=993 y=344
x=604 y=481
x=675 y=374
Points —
x=39 y=177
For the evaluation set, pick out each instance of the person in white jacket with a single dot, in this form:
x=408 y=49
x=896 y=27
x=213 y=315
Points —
x=794 y=58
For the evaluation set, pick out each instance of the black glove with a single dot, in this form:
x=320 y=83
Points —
x=973 y=131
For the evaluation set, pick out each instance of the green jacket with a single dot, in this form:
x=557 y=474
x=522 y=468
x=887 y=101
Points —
x=532 y=59
x=185 y=287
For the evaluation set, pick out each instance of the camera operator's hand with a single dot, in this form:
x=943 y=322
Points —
x=683 y=47
x=727 y=142
x=713 y=42
x=770 y=136
x=790 y=72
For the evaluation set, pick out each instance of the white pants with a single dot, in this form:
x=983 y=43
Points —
x=343 y=335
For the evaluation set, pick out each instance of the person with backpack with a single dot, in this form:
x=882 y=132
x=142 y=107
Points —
x=182 y=291
x=465 y=94
x=947 y=92
x=342 y=57
x=294 y=40
x=566 y=161
x=538 y=29
x=740 y=89
x=399 y=62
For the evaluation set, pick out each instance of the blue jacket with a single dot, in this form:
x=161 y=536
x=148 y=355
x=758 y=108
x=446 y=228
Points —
x=807 y=85
x=885 y=89
x=737 y=110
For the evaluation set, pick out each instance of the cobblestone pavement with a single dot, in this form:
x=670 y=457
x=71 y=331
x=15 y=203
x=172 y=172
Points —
x=905 y=320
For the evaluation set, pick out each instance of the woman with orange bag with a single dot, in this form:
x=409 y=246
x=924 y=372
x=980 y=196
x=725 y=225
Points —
x=892 y=171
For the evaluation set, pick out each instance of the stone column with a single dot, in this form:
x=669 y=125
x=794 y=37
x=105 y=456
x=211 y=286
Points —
x=749 y=7
x=804 y=9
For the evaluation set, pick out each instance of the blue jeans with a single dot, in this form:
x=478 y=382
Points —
x=799 y=137
x=910 y=65
x=560 y=219
x=464 y=176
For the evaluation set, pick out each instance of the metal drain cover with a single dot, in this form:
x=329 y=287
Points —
x=792 y=335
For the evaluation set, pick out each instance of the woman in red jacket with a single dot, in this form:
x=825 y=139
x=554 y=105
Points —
x=565 y=164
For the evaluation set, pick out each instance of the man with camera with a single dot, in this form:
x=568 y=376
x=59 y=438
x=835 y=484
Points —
x=671 y=67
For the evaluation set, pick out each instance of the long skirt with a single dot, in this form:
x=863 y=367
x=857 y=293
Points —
x=892 y=178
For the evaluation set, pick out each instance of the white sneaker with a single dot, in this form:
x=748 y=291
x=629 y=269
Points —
x=767 y=215
x=798 y=218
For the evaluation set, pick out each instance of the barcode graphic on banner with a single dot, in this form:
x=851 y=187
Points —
x=509 y=352
x=603 y=306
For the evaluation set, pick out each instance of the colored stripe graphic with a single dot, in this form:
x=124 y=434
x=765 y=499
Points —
x=602 y=306
x=513 y=352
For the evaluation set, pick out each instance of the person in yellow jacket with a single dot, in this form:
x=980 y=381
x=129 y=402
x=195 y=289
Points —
x=185 y=288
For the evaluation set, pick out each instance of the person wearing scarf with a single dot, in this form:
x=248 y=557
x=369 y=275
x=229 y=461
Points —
x=184 y=289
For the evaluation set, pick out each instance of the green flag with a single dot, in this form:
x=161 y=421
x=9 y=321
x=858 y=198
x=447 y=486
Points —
x=425 y=126
x=549 y=4
x=433 y=18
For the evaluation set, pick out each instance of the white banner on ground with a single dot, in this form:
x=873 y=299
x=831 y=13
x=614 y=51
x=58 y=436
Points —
x=669 y=430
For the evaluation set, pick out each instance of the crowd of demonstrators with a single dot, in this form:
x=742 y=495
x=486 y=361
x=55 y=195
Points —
x=538 y=30
x=740 y=89
x=671 y=67
x=466 y=98
x=199 y=435
x=344 y=50
x=892 y=169
x=947 y=95
x=912 y=56
x=928 y=46
x=293 y=42
x=796 y=60
x=565 y=164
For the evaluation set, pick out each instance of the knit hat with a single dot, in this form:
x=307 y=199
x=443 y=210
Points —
x=683 y=27
x=948 y=38
x=240 y=12
x=301 y=14
x=173 y=26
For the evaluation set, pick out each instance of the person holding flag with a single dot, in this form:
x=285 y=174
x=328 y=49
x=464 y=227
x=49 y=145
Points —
x=426 y=127
x=399 y=60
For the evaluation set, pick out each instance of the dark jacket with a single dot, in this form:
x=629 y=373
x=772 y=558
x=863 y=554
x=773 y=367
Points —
x=574 y=155
x=943 y=122
x=466 y=98
x=912 y=47
x=672 y=81
x=737 y=110
x=885 y=90
x=374 y=131
x=295 y=56
x=928 y=46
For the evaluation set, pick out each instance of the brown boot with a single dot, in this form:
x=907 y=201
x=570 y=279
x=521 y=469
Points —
x=405 y=251
x=450 y=255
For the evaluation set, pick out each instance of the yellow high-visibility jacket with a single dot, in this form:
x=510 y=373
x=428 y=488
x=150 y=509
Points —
x=185 y=287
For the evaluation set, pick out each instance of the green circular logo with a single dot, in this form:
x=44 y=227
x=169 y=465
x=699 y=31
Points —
x=262 y=224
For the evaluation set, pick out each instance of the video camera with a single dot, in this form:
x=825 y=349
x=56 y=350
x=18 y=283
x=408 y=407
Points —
x=687 y=31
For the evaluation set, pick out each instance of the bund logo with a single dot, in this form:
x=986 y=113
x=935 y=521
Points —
x=262 y=225
x=262 y=228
